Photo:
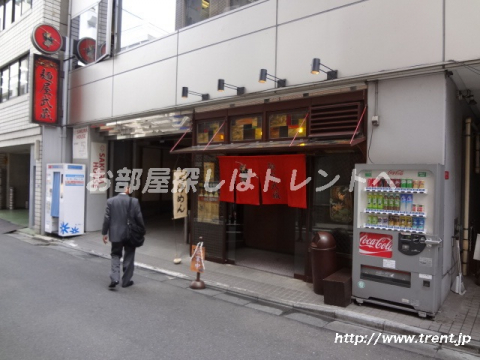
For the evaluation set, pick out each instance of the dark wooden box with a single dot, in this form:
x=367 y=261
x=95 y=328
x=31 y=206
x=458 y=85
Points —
x=337 y=288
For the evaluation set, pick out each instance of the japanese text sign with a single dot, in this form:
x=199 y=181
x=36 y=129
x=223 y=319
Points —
x=180 y=200
x=98 y=168
x=45 y=90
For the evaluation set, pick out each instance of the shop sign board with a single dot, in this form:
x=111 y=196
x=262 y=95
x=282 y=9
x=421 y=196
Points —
x=180 y=199
x=86 y=50
x=373 y=244
x=80 y=143
x=198 y=257
x=98 y=168
x=46 y=73
x=47 y=39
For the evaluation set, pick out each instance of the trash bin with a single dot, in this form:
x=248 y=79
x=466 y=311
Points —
x=324 y=259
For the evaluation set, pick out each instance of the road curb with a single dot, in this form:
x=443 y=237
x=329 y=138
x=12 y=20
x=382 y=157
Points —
x=328 y=311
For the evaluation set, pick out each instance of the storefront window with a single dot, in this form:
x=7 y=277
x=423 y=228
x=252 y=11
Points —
x=144 y=20
x=287 y=124
x=196 y=11
x=245 y=128
x=332 y=199
x=199 y=10
x=206 y=131
x=140 y=21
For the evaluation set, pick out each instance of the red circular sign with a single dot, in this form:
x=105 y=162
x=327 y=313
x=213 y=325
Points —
x=47 y=39
x=86 y=50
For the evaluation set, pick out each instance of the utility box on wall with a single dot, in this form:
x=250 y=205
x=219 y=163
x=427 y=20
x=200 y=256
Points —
x=65 y=199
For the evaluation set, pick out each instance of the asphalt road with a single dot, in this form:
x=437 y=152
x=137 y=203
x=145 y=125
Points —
x=54 y=304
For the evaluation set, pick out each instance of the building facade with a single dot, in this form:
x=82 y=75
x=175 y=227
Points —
x=411 y=79
x=25 y=147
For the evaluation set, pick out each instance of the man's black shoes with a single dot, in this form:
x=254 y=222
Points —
x=113 y=284
x=130 y=283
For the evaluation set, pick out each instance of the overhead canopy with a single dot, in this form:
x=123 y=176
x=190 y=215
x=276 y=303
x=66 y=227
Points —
x=271 y=146
x=156 y=125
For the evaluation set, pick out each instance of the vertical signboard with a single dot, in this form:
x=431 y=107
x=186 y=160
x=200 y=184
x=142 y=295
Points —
x=180 y=200
x=98 y=168
x=197 y=261
x=45 y=102
x=80 y=143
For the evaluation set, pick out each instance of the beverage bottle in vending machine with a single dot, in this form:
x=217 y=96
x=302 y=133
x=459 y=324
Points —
x=391 y=202
x=369 y=200
x=421 y=224
x=374 y=202
x=409 y=222
x=397 y=202
x=380 y=201
x=409 y=203
x=415 y=223
x=403 y=202
x=391 y=221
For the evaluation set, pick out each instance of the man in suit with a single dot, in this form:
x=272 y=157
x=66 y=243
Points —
x=115 y=225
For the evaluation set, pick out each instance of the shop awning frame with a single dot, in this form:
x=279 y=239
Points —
x=303 y=145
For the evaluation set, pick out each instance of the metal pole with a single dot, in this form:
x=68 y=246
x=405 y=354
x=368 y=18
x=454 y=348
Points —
x=466 y=200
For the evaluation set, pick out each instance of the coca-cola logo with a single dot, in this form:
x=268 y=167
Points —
x=376 y=244
x=395 y=172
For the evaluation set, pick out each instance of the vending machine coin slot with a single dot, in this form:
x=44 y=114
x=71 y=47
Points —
x=411 y=244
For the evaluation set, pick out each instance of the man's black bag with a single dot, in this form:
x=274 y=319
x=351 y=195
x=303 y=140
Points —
x=135 y=234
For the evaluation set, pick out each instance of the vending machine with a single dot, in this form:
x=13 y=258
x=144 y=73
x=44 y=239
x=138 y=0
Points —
x=65 y=199
x=398 y=236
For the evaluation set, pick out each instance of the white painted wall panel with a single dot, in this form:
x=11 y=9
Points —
x=369 y=37
x=243 y=21
x=290 y=10
x=146 y=54
x=91 y=73
x=408 y=110
x=143 y=89
x=237 y=62
x=462 y=29
x=91 y=102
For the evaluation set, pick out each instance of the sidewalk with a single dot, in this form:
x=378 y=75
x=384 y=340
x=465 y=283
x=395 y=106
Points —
x=459 y=314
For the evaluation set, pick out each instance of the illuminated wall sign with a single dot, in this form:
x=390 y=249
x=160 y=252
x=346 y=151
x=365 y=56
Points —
x=86 y=49
x=47 y=39
x=45 y=90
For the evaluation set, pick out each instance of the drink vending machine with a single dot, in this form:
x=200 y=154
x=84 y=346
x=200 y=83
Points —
x=398 y=236
x=65 y=199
